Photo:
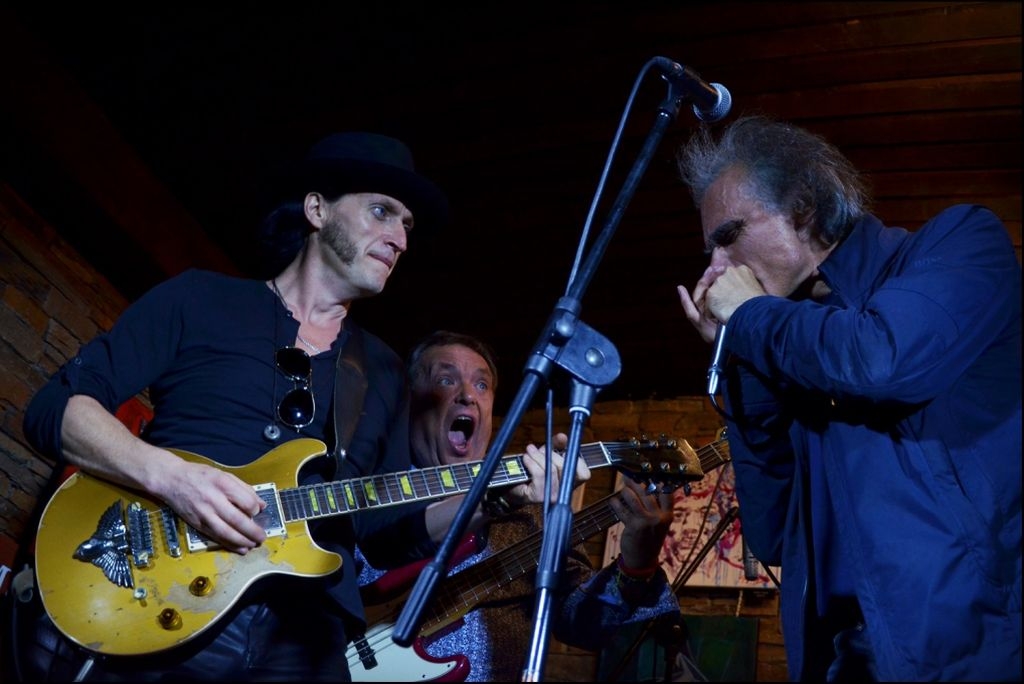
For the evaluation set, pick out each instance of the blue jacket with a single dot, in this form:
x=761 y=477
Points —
x=902 y=392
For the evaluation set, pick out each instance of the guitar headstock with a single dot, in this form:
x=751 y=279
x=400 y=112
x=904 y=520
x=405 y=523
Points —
x=662 y=461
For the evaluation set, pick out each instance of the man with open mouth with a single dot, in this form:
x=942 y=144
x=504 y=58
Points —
x=452 y=380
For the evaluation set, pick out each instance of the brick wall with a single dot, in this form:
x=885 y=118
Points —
x=51 y=301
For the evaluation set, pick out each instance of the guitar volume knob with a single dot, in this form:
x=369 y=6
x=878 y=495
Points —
x=200 y=586
x=169 y=619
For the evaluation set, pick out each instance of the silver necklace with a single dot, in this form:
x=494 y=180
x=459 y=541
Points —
x=315 y=349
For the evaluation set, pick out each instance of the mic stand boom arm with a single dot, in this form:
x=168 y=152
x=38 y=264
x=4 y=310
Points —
x=593 y=362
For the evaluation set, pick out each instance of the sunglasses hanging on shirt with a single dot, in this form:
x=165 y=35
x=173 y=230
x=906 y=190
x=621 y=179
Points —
x=297 y=408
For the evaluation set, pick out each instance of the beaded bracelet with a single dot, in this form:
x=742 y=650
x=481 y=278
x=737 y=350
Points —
x=635 y=574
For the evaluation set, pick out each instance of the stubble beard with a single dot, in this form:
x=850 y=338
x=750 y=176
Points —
x=338 y=240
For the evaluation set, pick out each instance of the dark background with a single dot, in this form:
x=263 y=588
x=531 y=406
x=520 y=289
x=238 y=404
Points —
x=147 y=137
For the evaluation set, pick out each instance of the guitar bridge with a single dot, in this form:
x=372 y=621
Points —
x=140 y=535
x=366 y=655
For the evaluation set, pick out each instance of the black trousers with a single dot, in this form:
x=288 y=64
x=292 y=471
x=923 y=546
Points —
x=258 y=643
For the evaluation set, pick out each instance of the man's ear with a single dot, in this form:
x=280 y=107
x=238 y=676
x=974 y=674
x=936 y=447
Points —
x=803 y=224
x=313 y=207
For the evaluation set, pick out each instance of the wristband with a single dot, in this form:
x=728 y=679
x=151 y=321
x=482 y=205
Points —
x=636 y=574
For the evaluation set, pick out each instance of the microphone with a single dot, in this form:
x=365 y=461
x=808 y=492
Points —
x=715 y=369
x=711 y=101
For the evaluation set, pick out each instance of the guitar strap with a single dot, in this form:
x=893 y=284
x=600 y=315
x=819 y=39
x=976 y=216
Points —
x=349 y=391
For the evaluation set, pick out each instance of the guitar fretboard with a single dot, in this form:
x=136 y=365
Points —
x=346 y=496
x=464 y=589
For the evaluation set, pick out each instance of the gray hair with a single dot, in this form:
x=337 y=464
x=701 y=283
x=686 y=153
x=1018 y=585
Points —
x=445 y=338
x=791 y=170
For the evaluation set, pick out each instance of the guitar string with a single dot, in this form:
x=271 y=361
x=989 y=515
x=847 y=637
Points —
x=157 y=518
x=517 y=549
x=523 y=556
x=293 y=498
x=162 y=526
x=381 y=490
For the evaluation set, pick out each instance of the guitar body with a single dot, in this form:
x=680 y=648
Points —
x=375 y=657
x=120 y=574
x=394 y=663
x=171 y=599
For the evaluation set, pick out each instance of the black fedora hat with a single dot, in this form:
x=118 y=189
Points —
x=357 y=161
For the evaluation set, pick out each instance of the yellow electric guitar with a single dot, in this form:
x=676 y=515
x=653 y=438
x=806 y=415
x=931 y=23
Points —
x=120 y=574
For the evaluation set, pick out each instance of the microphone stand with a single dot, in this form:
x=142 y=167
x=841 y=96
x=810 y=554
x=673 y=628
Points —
x=592 y=362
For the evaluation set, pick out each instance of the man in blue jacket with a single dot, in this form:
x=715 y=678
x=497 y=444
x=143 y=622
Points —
x=873 y=398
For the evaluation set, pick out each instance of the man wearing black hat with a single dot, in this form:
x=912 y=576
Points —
x=237 y=370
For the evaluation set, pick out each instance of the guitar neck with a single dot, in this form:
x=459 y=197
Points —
x=424 y=484
x=460 y=592
x=714 y=455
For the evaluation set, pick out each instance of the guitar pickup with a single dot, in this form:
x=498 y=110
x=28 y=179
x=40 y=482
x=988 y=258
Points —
x=269 y=518
x=366 y=655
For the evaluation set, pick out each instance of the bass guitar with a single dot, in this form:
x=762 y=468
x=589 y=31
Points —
x=375 y=657
x=120 y=574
